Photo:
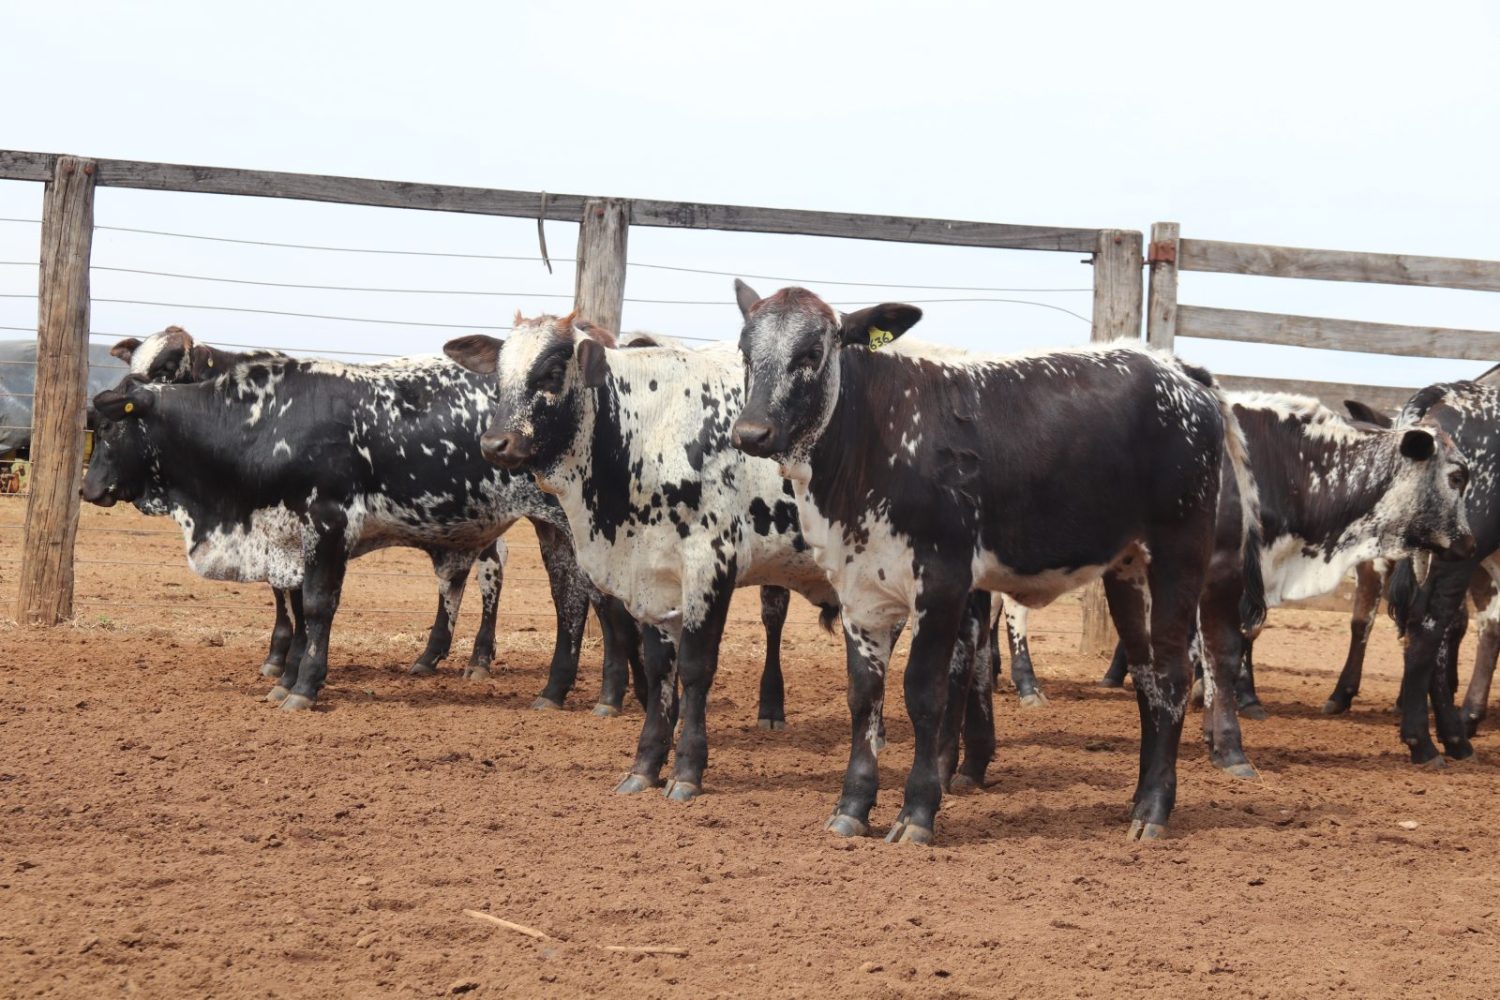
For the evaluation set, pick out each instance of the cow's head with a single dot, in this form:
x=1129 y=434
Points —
x=542 y=371
x=121 y=466
x=791 y=342
x=162 y=357
x=1425 y=502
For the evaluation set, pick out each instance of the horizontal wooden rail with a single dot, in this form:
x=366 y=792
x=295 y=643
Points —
x=1385 y=398
x=24 y=166
x=1338 y=265
x=1336 y=334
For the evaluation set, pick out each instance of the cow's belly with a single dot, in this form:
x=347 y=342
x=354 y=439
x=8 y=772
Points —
x=1292 y=570
x=875 y=578
x=775 y=562
x=645 y=574
x=377 y=522
x=1037 y=590
x=268 y=550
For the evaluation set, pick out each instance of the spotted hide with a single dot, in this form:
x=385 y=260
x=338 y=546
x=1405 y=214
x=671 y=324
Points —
x=921 y=480
x=665 y=514
x=281 y=470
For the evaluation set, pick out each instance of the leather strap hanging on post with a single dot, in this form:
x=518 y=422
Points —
x=541 y=232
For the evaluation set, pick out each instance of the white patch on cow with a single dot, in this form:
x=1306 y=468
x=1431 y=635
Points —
x=269 y=549
x=281 y=448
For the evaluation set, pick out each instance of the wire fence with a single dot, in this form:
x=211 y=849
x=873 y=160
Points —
x=196 y=277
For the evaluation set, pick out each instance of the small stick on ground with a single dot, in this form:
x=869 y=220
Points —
x=645 y=949
x=518 y=928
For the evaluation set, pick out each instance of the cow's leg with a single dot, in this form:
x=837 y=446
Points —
x=1021 y=673
x=1224 y=647
x=621 y=642
x=1430 y=617
x=975 y=711
x=570 y=599
x=281 y=636
x=935 y=630
x=322 y=583
x=1119 y=665
x=1244 y=686
x=491 y=574
x=452 y=570
x=1173 y=585
x=1444 y=684
x=1368 y=582
x=659 y=665
x=294 y=650
x=1482 y=591
x=867 y=650
x=773 y=608
x=697 y=662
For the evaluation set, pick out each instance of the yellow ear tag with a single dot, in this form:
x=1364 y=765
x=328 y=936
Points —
x=210 y=361
x=879 y=338
x=129 y=407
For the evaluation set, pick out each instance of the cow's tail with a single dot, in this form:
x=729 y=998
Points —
x=827 y=615
x=1253 y=598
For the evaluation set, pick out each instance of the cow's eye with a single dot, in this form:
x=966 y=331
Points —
x=812 y=357
x=1458 y=478
x=552 y=379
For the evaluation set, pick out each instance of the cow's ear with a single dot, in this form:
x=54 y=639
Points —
x=201 y=363
x=125 y=349
x=1418 y=444
x=113 y=404
x=591 y=361
x=745 y=296
x=1366 y=414
x=877 y=326
x=477 y=353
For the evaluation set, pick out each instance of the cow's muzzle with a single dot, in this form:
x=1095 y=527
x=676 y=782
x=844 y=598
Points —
x=101 y=497
x=1462 y=547
x=754 y=437
x=509 y=450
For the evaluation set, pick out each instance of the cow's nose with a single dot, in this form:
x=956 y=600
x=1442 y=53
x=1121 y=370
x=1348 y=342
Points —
x=1463 y=546
x=501 y=449
x=751 y=436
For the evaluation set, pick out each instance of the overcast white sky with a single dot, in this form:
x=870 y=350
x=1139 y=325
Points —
x=1372 y=126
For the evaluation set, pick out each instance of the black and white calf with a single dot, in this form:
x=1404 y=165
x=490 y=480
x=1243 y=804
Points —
x=1330 y=496
x=1468 y=412
x=666 y=516
x=919 y=481
x=282 y=470
x=173 y=356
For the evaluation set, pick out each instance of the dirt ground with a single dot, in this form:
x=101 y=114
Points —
x=165 y=833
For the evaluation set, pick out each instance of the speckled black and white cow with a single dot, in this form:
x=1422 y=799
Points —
x=666 y=516
x=173 y=356
x=919 y=481
x=1431 y=609
x=282 y=470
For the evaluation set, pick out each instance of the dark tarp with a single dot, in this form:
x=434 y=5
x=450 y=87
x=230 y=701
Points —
x=18 y=383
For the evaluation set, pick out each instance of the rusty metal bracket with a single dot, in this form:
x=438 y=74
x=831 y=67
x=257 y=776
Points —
x=1162 y=252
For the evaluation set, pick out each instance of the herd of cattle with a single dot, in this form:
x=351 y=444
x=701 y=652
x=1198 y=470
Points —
x=893 y=484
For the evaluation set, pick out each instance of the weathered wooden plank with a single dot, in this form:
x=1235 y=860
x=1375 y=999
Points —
x=1336 y=334
x=1117 y=285
x=21 y=166
x=45 y=590
x=1339 y=265
x=599 y=291
x=1161 y=305
x=562 y=207
x=1386 y=398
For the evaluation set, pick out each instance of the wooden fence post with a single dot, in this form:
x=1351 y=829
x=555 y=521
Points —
x=599 y=295
x=1117 y=314
x=45 y=594
x=1161 y=305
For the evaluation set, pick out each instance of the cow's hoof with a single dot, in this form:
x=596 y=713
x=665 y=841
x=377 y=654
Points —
x=420 y=669
x=1034 y=700
x=962 y=784
x=681 y=791
x=604 y=711
x=771 y=724
x=1246 y=771
x=1195 y=696
x=1460 y=749
x=296 y=703
x=1336 y=706
x=277 y=694
x=1111 y=682
x=1434 y=763
x=908 y=833
x=477 y=673
x=846 y=826
x=271 y=670
x=1471 y=726
x=1255 y=710
x=879 y=743
x=546 y=705
x=633 y=783
x=1141 y=830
